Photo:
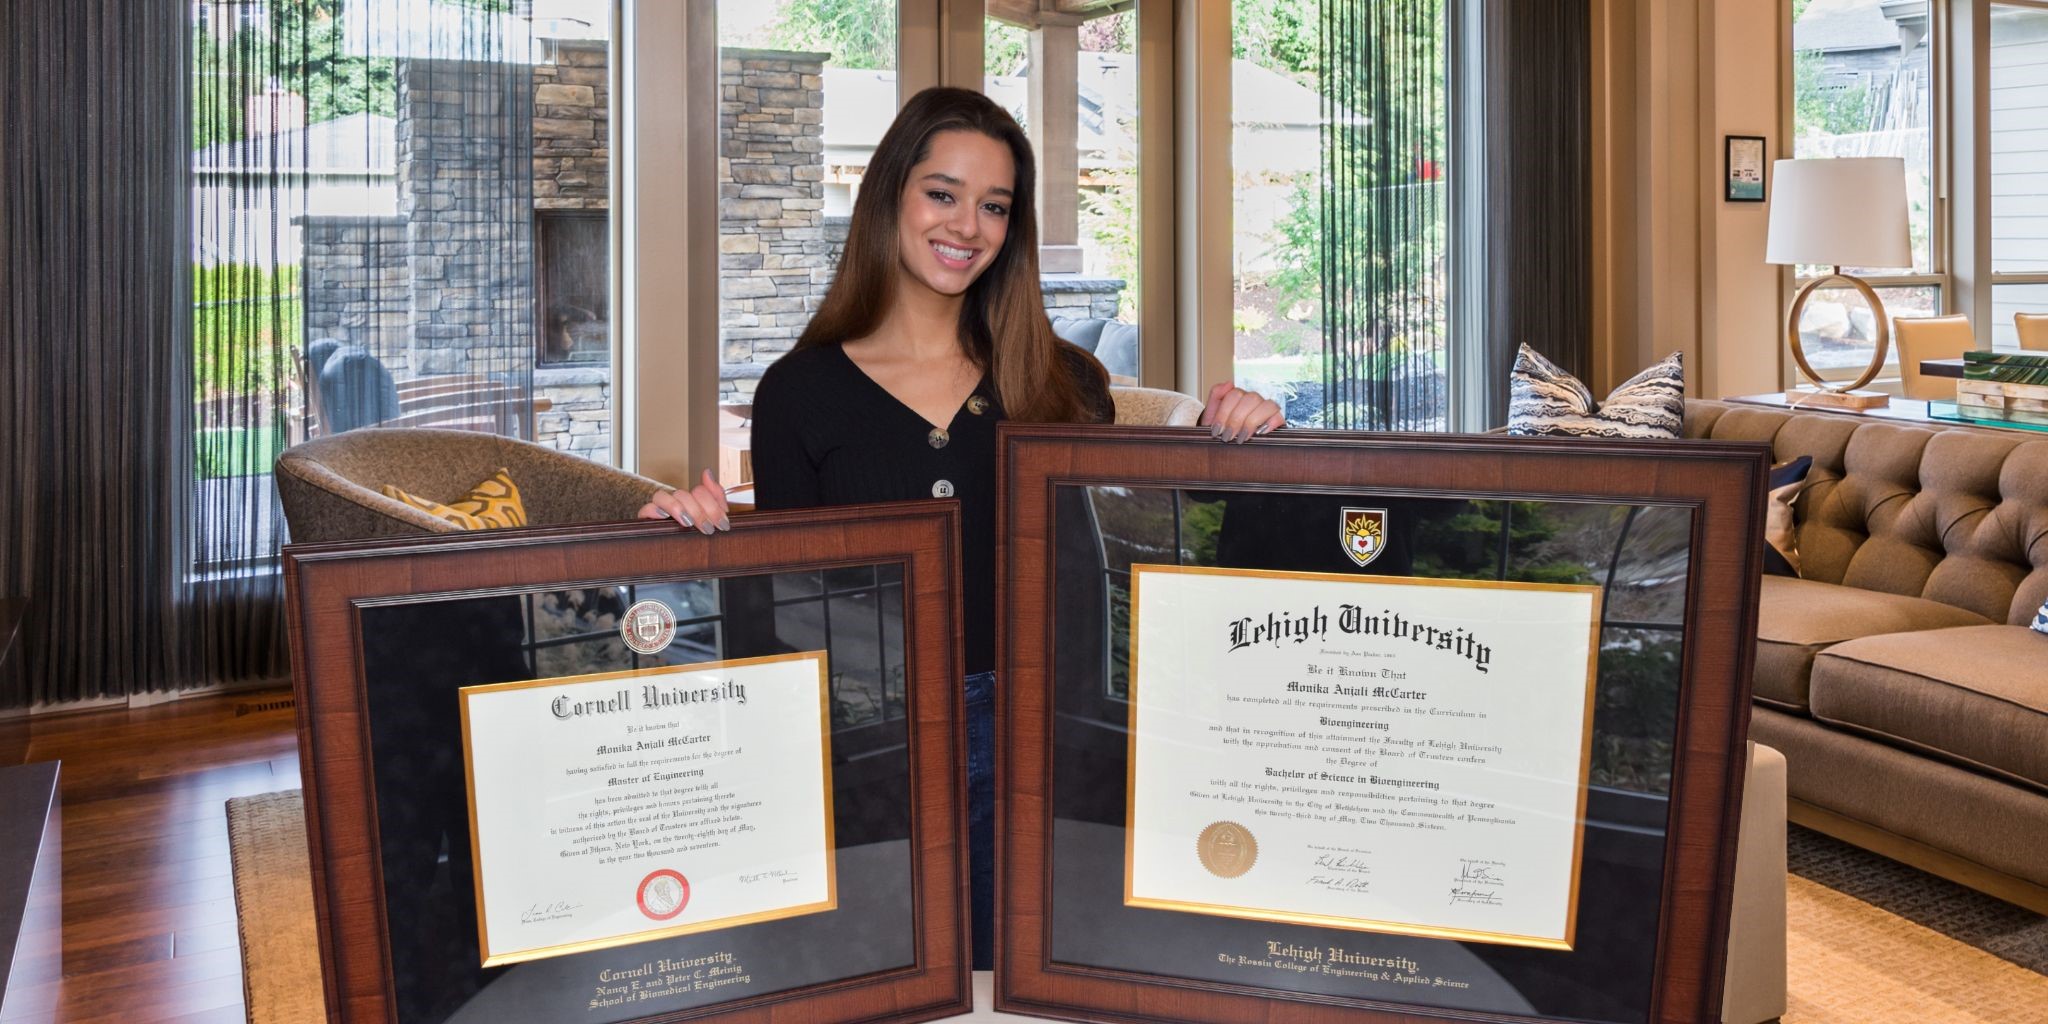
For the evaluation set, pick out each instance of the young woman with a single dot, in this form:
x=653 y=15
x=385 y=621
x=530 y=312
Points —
x=933 y=330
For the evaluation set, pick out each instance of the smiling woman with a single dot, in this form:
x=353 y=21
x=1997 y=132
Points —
x=934 y=330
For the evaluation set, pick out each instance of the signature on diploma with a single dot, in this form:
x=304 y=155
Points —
x=555 y=911
x=1479 y=872
x=1479 y=881
x=782 y=875
x=1343 y=862
x=1341 y=883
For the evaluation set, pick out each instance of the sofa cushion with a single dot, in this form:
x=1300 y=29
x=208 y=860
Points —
x=1800 y=618
x=1976 y=696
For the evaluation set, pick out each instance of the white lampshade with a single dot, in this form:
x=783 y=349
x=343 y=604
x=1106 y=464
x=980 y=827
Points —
x=1842 y=212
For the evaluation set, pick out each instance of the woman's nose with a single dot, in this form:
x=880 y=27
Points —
x=965 y=221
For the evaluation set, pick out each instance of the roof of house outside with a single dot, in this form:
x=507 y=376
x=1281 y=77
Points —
x=1837 y=25
x=859 y=105
x=352 y=144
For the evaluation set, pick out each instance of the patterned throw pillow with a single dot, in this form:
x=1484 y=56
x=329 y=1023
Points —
x=1549 y=401
x=489 y=505
x=1781 y=539
x=2041 y=619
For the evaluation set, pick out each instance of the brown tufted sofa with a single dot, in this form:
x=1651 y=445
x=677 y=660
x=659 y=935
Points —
x=1897 y=675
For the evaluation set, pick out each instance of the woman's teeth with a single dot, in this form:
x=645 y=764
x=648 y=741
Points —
x=951 y=253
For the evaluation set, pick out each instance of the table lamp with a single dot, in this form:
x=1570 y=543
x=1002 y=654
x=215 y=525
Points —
x=1849 y=211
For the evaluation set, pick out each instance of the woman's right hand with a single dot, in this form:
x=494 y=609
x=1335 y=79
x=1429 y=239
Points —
x=701 y=507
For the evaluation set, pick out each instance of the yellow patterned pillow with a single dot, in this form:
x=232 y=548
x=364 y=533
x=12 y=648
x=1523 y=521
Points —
x=489 y=505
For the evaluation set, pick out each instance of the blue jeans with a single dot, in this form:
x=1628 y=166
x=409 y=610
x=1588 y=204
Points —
x=981 y=814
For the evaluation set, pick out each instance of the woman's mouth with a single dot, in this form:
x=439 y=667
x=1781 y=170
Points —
x=954 y=257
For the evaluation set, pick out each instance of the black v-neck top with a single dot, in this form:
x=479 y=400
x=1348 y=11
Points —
x=825 y=433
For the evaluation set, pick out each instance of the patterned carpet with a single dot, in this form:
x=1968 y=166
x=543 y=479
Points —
x=1966 y=915
x=1871 y=941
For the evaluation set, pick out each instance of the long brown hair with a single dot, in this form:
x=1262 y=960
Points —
x=1034 y=377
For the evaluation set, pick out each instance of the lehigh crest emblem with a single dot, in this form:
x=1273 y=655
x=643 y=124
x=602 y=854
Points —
x=649 y=627
x=1363 y=532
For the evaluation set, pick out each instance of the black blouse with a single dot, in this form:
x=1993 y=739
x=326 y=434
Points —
x=826 y=434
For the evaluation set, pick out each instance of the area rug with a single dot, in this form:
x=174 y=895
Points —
x=274 y=909
x=1851 y=962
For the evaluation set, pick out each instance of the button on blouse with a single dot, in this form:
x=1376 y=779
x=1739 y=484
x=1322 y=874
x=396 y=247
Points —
x=826 y=434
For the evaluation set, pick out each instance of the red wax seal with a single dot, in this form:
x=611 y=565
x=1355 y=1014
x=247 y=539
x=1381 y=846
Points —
x=663 y=894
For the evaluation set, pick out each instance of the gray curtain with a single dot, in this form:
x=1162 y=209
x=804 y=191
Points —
x=92 y=314
x=1538 y=261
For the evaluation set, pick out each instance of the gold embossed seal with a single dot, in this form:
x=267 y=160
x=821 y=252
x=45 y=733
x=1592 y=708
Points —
x=1227 y=849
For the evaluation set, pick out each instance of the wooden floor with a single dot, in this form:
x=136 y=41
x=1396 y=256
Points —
x=149 y=909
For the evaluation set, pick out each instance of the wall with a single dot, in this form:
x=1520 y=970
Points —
x=1676 y=268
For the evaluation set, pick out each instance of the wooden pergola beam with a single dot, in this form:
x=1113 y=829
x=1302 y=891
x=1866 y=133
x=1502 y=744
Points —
x=1031 y=14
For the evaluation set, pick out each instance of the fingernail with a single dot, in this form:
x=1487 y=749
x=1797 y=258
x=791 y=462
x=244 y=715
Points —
x=1264 y=429
x=725 y=522
x=1216 y=431
x=685 y=520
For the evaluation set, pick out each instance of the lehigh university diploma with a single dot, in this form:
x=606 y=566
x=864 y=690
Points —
x=1374 y=753
x=617 y=808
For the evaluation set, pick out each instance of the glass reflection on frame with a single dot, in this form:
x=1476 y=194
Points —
x=1638 y=554
x=417 y=653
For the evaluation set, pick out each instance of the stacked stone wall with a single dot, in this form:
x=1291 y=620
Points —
x=572 y=133
x=465 y=192
x=355 y=286
x=774 y=256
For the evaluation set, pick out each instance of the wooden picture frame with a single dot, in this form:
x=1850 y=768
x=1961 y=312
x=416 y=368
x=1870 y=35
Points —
x=1719 y=488
x=334 y=589
x=1745 y=163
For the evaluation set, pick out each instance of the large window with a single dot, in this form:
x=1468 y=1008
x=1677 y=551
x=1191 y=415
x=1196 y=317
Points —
x=2017 y=80
x=1072 y=82
x=806 y=89
x=1340 y=254
x=1863 y=85
x=368 y=180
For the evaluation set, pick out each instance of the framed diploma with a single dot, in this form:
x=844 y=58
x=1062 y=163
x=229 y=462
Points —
x=627 y=773
x=1391 y=727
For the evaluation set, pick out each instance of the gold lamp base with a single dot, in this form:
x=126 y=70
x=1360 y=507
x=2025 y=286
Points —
x=1837 y=399
x=1835 y=396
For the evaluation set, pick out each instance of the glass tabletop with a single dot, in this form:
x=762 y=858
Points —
x=2016 y=420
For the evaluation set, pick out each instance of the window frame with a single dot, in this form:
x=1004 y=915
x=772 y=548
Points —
x=1941 y=273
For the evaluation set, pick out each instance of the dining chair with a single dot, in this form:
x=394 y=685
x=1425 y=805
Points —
x=1930 y=337
x=2033 y=329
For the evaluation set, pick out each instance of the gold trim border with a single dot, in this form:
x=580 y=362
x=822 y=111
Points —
x=1571 y=927
x=831 y=901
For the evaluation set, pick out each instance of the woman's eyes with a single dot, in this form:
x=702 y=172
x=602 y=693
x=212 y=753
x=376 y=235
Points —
x=939 y=196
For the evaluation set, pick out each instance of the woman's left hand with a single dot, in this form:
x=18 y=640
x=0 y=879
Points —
x=1234 y=414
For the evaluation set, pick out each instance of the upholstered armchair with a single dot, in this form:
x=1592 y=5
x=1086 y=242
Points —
x=1155 y=407
x=332 y=486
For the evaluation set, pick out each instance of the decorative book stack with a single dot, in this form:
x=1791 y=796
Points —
x=2004 y=385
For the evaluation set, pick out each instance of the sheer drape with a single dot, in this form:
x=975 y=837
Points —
x=1538 y=170
x=1385 y=233
x=229 y=227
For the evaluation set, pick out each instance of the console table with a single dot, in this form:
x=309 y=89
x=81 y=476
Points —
x=31 y=899
x=13 y=684
x=1901 y=410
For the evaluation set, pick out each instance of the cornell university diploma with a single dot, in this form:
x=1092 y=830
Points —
x=616 y=808
x=1375 y=753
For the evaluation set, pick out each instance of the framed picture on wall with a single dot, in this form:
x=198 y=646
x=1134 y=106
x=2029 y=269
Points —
x=1745 y=162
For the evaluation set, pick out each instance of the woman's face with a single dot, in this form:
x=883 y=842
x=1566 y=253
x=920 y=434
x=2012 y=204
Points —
x=956 y=210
